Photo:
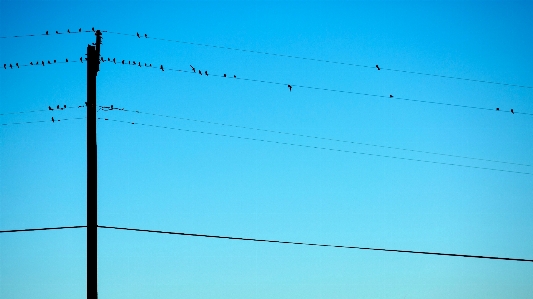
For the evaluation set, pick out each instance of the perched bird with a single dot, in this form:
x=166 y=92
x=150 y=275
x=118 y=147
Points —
x=138 y=35
x=200 y=72
x=49 y=62
x=145 y=64
x=108 y=59
x=57 y=32
x=68 y=30
x=92 y=29
x=193 y=69
x=390 y=96
x=146 y=35
x=64 y=106
x=102 y=59
x=46 y=32
x=66 y=59
x=377 y=66
x=17 y=65
x=31 y=63
x=290 y=87
x=497 y=109
x=224 y=75
x=37 y=62
x=81 y=60
x=53 y=119
x=42 y=62
x=150 y=65
x=162 y=68
x=79 y=30
x=50 y=108
x=114 y=61
x=129 y=61
x=512 y=111
x=139 y=63
x=54 y=61
x=57 y=106
x=122 y=61
x=206 y=73
x=134 y=62
x=234 y=76
x=11 y=66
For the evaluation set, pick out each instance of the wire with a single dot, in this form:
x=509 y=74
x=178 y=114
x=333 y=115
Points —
x=320 y=245
x=344 y=91
x=322 y=60
x=43 y=121
x=51 y=34
x=40 y=110
x=16 y=65
x=39 y=229
x=324 y=138
x=317 y=147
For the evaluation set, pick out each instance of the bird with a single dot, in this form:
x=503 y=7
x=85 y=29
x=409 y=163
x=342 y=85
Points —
x=66 y=59
x=390 y=96
x=224 y=75
x=108 y=59
x=377 y=66
x=193 y=69
x=54 y=61
x=122 y=61
x=50 y=108
x=129 y=61
x=234 y=76
x=512 y=111
x=31 y=63
x=49 y=62
x=134 y=62
x=17 y=64
x=114 y=61
x=162 y=68
x=65 y=106
x=57 y=106
x=497 y=109
x=81 y=60
x=138 y=35
x=200 y=72
x=92 y=29
x=42 y=62
x=46 y=32
x=68 y=30
x=146 y=35
x=53 y=119
x=11 y=66
x=290 y=87
x=206 y=73
x=57 y=32
x=102 y=59
x=4 y=65
x=79 y=30
x=150 y=65
x=139 y=63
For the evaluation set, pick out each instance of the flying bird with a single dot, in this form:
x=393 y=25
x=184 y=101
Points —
x=50 y=108
x=193 y=69
x=377 y=66
x=512 y=111
x=138 y=35
x=162 y=68
x=53 y=119
x=290 y=87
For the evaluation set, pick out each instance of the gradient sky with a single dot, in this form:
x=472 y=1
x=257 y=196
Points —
x=167 y=179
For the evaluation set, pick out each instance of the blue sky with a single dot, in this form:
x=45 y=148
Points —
x=176 y=180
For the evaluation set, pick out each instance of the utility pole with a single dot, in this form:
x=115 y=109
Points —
x=93 y=66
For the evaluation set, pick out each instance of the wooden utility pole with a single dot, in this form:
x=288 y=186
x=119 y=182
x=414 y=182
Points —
x=93 y=66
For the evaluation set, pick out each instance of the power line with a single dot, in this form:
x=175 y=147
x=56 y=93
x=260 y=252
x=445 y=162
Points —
x=346 y=92
x=324 y=138
x=16 y=65
x=319 y=245
x=40 y=229
x=51 y=33
x=41 y=110
x=317 y=147
x=43 y=121
x=323 y=60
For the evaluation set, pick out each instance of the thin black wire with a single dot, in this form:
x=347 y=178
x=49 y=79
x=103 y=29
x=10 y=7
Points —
x=43 y=121
x=323 y=138
x=40 y=229
x=317 y=147
x=320 y=245
x=52 y=33
x=46 y=62
x=348 y=92
x=40 y=110
x=326 y=61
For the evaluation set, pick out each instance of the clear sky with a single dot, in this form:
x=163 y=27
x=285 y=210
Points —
x=184 y=181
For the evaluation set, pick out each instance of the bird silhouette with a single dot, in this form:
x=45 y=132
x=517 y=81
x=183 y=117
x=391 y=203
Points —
x=390 y=96
x=79 y=30
x=138 y=35
x=17 y=64
x=234 y=76
x=122 y=61
x=102 y=59
x=224 y=75
x=108 y=59
x=81 y=60
x=49 y=62
x=92 y=29
x=53 y=119
x=193 y=69
x=290 y=87
x=146 y=35
x=11 y=66
x=497 y=109
x=42 y=62
x=68 y=30
x=129 y=61
x=206 y=73
x=57 y=32
x=46 y=32
x=139 y=63
x=114 y=61
x=512 y=111
x=57 y=106
x=377 y=66
x=66 y=60
x=150 y=65
x=31 y=63
x=50 y=108
x=54 y=61
x=134 y=62
x=37 y=62
x=200 y=72
x=162 y=68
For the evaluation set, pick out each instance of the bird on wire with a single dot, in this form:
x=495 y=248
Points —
x=193 y=69
x=497 y=109
x=161 y=68
x=146 y=35
x=81 y=60
x=46 y=32
x=5 y=65
x=377 y=66
x=42 y=62
x=512 y=111
x=200 y=72
x=290 y=87
x=53 y=119
x=206 y=73
x=138 y=35
x=31 y=62
x=10 y=65
x=50 y=108
x=57 y=32
x=92 y=29
x=79 y=30
x=390 y=96
x=68 y=30
x=224 y=75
